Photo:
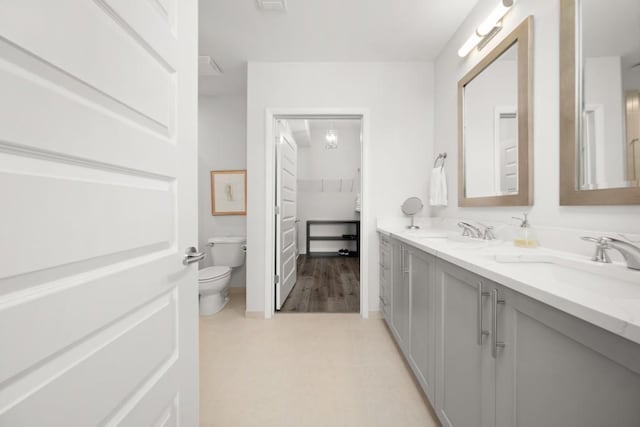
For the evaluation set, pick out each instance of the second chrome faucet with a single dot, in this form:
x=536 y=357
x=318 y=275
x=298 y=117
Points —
x=629 y=251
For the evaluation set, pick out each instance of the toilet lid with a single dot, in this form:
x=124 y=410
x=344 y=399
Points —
x=214 y=272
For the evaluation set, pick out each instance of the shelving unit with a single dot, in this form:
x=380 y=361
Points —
x=354 y=238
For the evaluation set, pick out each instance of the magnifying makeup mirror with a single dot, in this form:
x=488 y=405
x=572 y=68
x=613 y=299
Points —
x=410 y=207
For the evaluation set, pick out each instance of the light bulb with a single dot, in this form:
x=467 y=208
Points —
x=495 y=16
x=469 y=45
x=331 y=138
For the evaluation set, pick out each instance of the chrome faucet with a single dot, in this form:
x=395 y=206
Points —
x=487 y=233
x=629 y=251
x=469 y=230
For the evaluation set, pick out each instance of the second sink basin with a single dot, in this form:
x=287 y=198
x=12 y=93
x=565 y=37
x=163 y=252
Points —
x=608 y=280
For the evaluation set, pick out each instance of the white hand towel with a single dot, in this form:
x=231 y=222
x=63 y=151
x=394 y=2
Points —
x=438 y=193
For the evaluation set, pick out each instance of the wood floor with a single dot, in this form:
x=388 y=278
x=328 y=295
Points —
x=325 y=285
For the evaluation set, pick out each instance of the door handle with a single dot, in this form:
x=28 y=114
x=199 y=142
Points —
x=481 y=332
x=495 y=344
x=192 y=255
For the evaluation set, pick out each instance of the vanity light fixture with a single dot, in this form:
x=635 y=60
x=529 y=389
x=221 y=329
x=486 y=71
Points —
x=487 y=29
x=331 y=140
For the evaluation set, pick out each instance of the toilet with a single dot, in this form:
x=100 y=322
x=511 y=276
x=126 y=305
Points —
x=213 y=282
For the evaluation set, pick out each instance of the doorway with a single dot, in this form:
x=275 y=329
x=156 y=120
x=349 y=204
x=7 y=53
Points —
x=319 y=210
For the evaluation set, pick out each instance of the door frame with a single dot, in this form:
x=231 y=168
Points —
x=270 y=160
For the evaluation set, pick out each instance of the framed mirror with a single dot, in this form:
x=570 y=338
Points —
x=599 y=102
x=495 y=125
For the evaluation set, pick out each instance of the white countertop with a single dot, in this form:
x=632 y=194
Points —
x=607 y=296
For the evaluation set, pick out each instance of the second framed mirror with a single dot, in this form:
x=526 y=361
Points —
x=599 y=102
x=495 y=125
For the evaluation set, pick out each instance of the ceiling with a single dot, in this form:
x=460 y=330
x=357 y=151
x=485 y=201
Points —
x=303 y=138
x=234 y=32
x=323 y=125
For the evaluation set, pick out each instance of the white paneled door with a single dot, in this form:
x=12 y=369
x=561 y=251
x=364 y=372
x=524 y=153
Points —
x=506 y=134
x=286 y=183
x=98 y=117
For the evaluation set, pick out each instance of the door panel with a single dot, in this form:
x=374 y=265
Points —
x=556 y=370
x=507 y=143
x=104 y=133
x=632 y=105
x=400 y=295
x=465 y=368
x=98 y=177
x=423 y=318
x=147 y=219
x=112 y=358
x=386 y=278
x=110 y=57
x=286 y=183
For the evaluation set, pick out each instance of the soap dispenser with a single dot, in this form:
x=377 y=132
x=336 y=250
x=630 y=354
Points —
x=526 y=236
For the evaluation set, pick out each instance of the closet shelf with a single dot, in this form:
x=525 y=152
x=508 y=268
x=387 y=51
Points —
x=352 y=238
x=332 y=238
x=352 y=254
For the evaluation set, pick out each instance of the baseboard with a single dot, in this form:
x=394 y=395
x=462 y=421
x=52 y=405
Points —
x=254 y=314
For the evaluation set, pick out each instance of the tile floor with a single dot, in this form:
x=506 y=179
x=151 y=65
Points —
x=304 y=370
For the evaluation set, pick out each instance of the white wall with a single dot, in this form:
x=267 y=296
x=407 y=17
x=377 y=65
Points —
x=336 y=168
x=222 y=145
x=400 y=99
x=449 y=68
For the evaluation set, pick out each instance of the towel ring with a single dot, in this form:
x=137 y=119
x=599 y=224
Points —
x=441 y=156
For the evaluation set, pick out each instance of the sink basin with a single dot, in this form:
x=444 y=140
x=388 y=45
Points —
x=603 y=285
x=472 y=242
x=608 y=280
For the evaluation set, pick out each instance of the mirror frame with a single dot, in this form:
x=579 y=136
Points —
x=522 y=34
x=570 y=97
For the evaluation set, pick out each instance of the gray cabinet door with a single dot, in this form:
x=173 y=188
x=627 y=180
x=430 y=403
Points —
x=422 y=320
x=557 y=370
x=386 y=261
x=465 y=371
x=400 y=294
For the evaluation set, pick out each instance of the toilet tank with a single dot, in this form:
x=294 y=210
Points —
x=228 y=251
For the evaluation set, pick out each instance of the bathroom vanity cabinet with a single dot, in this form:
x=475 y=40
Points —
x=411 y=316
x=486 y=355
x=557 y=370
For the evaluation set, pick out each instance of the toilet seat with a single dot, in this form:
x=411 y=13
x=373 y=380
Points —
x=213 y=273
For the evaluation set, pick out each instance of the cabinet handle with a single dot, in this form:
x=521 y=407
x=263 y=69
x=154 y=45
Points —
x=402 y=260
x=495 y=344
x=481 y=332
x=405 y=268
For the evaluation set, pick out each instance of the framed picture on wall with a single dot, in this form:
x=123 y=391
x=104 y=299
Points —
x=229 y=192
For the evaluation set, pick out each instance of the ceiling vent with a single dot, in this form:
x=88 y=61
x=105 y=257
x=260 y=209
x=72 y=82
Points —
x=208 y=67
x=272 y=5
